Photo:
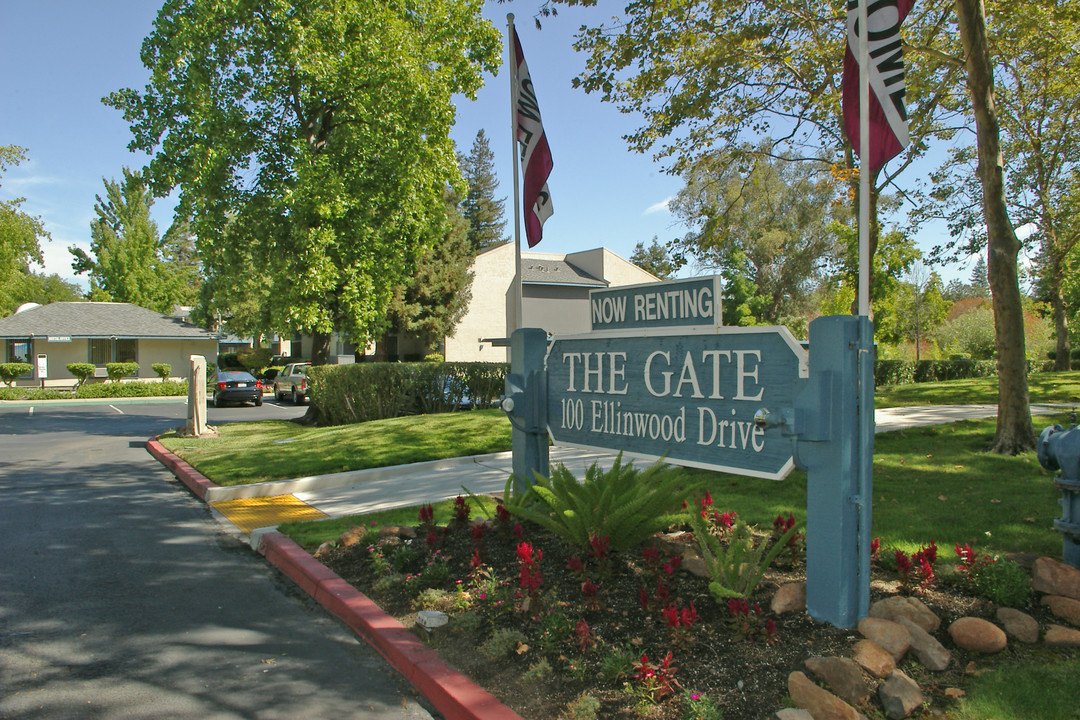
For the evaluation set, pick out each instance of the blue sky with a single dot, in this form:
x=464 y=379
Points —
x=58 y=58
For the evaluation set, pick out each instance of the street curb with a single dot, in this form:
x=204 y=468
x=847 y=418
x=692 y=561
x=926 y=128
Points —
x=449 y=691
x=192 y=478
x=452 y=693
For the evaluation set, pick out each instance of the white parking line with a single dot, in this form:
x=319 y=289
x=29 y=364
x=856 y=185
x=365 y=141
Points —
x=117 y=409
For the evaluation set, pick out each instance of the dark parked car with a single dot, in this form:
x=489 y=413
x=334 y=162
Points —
x=235 y=386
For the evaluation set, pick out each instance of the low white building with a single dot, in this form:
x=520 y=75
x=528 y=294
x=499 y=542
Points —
x=555 y=296
x=100 y=333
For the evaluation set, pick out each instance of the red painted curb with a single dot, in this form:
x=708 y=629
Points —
x=192 y=478
x=452 y=693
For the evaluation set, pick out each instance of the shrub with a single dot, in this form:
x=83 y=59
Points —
x=360 y=392
x=254 y=360
x=82 y=371
x=163 y=370
x=10 y=372
x=736 y=565
x=117 y=370
x=624 y=505
x=583 y=707
x=1003 y=582
x=133 y=389
x=502 y=643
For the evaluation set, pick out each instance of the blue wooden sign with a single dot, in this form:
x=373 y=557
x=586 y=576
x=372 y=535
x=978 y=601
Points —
x=673 y=303
x=691 y=398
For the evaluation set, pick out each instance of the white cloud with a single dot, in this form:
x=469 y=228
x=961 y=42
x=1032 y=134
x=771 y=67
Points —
x=661 y=206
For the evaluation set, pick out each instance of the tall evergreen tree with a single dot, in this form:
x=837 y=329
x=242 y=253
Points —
x=656 y=259
x=487 y=225
x=126 y=263
x=431 y=305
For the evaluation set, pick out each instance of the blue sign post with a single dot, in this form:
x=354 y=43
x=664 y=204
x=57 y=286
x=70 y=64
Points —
x=749 y=401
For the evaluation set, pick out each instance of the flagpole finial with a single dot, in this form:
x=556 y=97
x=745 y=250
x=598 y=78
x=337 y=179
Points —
x=510 y=18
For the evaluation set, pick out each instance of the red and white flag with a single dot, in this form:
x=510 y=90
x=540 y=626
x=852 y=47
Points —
x=888 y=116
x=536 y=161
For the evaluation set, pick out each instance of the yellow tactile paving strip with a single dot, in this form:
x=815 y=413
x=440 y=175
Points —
x=251 y=513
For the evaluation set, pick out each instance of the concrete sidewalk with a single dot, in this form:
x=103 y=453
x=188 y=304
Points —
x=363 y=491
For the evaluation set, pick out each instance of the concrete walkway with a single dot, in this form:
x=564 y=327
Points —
x=258 y=509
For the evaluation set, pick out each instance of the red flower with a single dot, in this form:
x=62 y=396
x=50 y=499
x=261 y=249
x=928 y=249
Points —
x=671 y=615
x=519 y=532
x=903 y=562
x=477 y=532
x=574 y=565
x=727 y=520
x=461 y=509
x=650 y=554
x=432 y=539
x=427 y=514
x=584 y=634
x=475 y=562
x=643 y=598
x=525 y=553
x=501 y=513
x=689 y=616
x=598 y=546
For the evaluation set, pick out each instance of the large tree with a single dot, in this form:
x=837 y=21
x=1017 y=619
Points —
x=431 y=305
x=484 y=213
x=1015 y=432
x=20 y=234
x=773 y=212
x=126 y=262
x=315 y=135
x=656 y=259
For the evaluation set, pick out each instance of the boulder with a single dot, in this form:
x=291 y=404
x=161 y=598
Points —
x=888 y=634
x=1061 y=636
x=842 y=676
x=973 y=633
x=873 y=658
x=821 y=704
x=1064 y=607
x=351 y=536
x=789 y=598
x=792 y=714
x=1056 y=578
x=931 y=653
x=913 y=609
x=899 y=695
x=1018 y=625
x=398 y=531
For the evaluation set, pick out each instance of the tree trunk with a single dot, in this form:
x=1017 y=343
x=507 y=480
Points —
x=320 y=348
x=1057 y=299
x=1015 y=433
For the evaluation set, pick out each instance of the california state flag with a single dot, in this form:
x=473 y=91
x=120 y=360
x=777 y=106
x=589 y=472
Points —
x=536 y=161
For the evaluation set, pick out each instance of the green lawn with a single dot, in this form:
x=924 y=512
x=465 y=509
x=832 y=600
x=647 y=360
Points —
x=246 y=453
x=1042 y=387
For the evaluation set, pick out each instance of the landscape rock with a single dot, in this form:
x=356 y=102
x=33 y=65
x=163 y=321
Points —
x=1064 y=607
x=913 y=609
x=789 y=598
x=695 y=565
x=973 y=633
x=842 y=676
x=1061 y=636
x=351 y=536
x=890 y=635
x=899 y=695
x=792 y=714
x=1055 y=578
x=821 y=704
x=400 y=531
x=323 y=549
x=1018 y=625
x=931 y=653
x=873 y=658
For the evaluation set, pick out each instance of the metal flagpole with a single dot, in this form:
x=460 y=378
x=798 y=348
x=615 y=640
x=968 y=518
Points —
x=864 y=162
x=518 y=314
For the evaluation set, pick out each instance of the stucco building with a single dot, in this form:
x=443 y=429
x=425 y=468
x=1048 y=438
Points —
x=100 y=333
x=555 y=296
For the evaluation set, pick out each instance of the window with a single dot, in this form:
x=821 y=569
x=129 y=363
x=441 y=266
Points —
x=106 y=350
x=19 y=351
x=100 y=351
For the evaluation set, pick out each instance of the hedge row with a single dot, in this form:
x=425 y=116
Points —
x=345 y=394
x=901 y=372
x=98 y=390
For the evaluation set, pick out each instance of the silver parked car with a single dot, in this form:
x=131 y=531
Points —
x=292 y=382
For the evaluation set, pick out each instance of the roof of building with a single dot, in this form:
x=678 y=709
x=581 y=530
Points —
x=98 y=320
x=553 y=271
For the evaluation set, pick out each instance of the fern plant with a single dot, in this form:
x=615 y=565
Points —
x=623 y=504
x=737 y=565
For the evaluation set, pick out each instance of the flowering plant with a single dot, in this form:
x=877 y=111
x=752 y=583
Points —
x=654 y=682
x=681 y=622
